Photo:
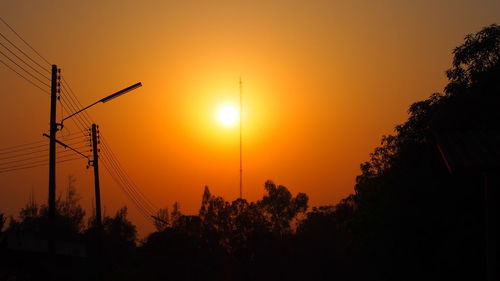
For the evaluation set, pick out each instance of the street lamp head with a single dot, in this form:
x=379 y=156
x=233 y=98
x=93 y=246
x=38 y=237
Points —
x=121 y=92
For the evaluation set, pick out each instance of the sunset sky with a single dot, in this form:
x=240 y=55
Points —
x=322 y=82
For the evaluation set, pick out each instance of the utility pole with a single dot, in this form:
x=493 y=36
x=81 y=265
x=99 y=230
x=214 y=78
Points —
x=98 y=216
x=95 y=164
x=52 y=157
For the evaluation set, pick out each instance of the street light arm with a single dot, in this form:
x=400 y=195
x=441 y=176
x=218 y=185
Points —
x=79 y=111
x=106 y=99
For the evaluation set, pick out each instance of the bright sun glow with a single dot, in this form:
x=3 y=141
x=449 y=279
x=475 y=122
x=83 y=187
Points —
x=228 y=115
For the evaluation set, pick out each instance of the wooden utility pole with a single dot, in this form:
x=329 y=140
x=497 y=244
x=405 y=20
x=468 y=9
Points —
x=52 y=159
x=95 y=164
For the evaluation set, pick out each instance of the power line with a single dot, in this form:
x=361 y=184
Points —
x=69 y=107
x=131 y=191
x=36 y=162
x=106 y=146
x=29 y=153
x=134 y=193
x=22 y=76
x=29 y=65
x=22 y=149
x=25 y=70
x=141 y=210
x=34 y=157
x=39 y=165
x=127 y=188
x=27 y=150
x=137 y=190
x=80 y=135
x=85 y=113
x=17 y=48
x=19 y=36
x=21 y=145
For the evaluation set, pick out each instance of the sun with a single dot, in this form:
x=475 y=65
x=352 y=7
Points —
x=228 y=115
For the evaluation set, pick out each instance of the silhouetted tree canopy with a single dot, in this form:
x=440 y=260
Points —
x=409 y=217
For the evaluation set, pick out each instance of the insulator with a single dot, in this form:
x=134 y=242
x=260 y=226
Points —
x=59 y=70
x=58 y=84
x=58 y=97
x=98 y=150
x=98 y=142
x=91 y=150
x=58 y=91
x=58 y=77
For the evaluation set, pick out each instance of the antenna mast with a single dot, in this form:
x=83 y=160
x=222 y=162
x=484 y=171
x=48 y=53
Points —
x=241 y=143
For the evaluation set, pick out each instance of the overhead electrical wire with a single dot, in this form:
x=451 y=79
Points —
x=127 y=187
x=12 y=68
x=119 y=182
x=113 y=157
x=19 y=36
x=69 y=108
x=135 y=192
x=38 y=165
x=22 y=52
x=30 y=146
x=27 y=64
x=18 y=149
x=33 y=161
x=78 y=103
x=123 y=186
x=22 y=76
x=32 y=75
x=22 y=145
x=29 y=157
x=71 y=105
x=64 y=152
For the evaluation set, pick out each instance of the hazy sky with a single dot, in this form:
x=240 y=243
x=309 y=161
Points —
x=322 y=82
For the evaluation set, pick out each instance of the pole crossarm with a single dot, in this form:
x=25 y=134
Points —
x=67 y=146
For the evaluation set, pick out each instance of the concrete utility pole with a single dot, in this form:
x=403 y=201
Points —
x=54 y=89
x=95 y=164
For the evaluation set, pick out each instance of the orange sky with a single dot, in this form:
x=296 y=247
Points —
x=322 y=82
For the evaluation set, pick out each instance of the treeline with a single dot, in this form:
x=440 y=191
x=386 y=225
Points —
x=226 y=240
x=418 y=211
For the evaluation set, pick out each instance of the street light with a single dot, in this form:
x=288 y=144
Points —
x=103 y=100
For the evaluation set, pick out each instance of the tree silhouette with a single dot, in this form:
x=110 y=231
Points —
x=409 y=217
x=280 y=207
